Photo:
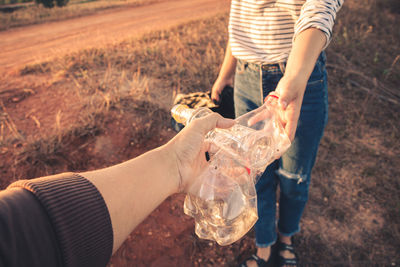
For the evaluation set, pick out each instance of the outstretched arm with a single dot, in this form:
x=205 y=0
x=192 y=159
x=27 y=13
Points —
x=312 y=33
x=306 y=49
x=133 y=189
x=81 y=219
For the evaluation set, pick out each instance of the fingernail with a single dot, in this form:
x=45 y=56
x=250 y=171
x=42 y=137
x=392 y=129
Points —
x=283 y=104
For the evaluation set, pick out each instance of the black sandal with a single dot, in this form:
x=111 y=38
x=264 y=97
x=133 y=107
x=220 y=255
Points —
x=260 y=262
x=286 y=261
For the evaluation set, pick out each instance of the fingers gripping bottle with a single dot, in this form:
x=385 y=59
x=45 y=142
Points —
x=223 y=199
x=244 y=143
x=269 y=140
x=256 y=140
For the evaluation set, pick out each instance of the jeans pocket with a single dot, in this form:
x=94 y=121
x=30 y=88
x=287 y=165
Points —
x=241 y=66
x=315 y=83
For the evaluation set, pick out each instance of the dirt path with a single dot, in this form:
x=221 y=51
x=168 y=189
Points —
x=25 y=45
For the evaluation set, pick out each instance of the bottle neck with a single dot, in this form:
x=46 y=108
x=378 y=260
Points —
x=182 y=113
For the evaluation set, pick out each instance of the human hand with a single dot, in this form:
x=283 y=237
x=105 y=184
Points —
x=188 y=148
x=218 y=87
x=291 y=92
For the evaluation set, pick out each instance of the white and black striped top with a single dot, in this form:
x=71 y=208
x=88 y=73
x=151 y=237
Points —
x=262 y=31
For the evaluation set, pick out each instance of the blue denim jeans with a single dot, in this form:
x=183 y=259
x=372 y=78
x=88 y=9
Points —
x=293 y=170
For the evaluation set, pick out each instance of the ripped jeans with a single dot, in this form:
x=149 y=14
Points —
x=292 y=171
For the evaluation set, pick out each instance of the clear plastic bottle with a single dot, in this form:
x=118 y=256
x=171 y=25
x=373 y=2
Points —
x=224 y=202
x=253 y=148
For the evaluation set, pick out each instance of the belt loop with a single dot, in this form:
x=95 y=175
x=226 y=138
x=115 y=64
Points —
x=282 y=67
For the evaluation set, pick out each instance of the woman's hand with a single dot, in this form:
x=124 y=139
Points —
x=188 y=148
x=305 y=51
x=218 y=87
x=291 y=92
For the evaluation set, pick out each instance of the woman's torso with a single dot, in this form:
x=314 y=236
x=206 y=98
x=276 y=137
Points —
x=261 y=31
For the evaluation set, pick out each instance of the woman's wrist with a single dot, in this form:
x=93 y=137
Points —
x=225 y=79
x=297 y=76
x=295 y=82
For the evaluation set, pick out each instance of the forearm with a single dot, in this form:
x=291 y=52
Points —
x=133 y=189
x=228 y=67
x=305 y=51
x=92 y=213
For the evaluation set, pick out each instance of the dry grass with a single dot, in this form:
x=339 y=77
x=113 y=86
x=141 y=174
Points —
x=35 y=14
x=103 y=82
x=353 y=216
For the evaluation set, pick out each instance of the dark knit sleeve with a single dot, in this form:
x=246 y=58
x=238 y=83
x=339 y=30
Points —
x=26 y=236
x=79 y=216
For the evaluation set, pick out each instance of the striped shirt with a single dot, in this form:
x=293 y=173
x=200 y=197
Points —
x=262 y=31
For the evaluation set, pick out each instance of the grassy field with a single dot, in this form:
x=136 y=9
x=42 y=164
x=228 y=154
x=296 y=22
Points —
x=34 y=14
x=353 y=216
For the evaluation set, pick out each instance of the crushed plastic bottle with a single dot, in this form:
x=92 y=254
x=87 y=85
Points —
x=223 y=200
x=256 y=140
x=269 y=140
